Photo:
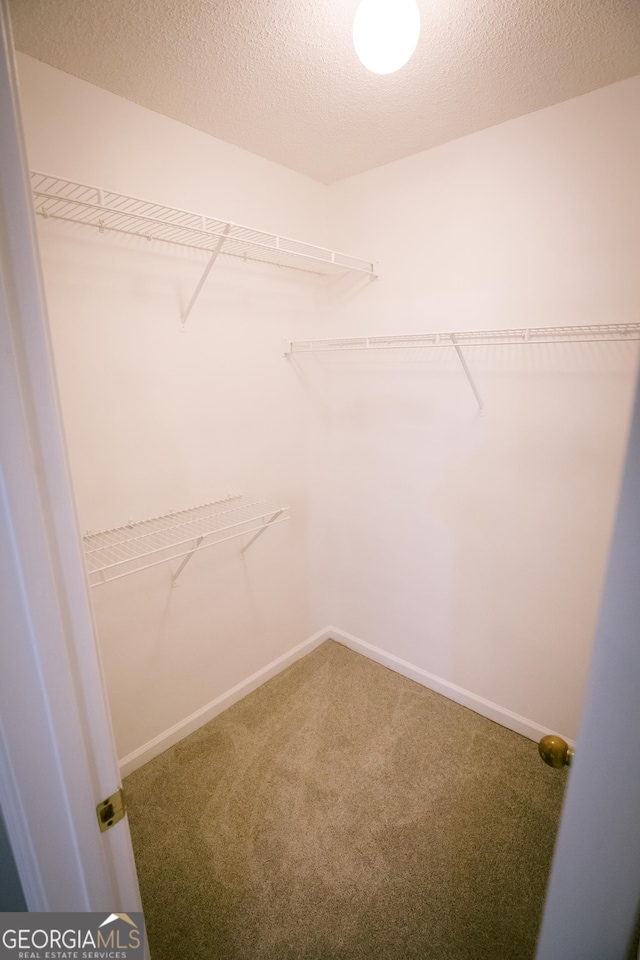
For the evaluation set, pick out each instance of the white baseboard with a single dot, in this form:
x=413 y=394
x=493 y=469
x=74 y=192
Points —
x=486 y=708
x=182 y=729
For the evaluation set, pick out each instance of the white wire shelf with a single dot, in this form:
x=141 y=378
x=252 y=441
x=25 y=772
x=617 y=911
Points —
x=470 y=338
x=117 y=553
x=586 y=333
x=60 y=199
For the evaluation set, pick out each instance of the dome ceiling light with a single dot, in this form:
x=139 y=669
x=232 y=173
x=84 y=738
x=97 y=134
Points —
x=385 y=33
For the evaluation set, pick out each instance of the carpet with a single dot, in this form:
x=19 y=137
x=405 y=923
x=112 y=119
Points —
x=342 y=812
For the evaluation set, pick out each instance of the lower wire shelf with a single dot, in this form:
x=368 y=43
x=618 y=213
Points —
x=117 y=553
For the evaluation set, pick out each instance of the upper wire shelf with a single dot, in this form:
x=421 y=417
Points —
x=470 y=338
x=117 y=553
x=75 y=202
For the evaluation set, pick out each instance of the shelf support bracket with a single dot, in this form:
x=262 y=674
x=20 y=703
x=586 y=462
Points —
x=174 y=579
x=260 y=532
x=207 y=270
x=465 y=367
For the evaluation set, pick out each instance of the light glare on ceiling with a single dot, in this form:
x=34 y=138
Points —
x=385 y=33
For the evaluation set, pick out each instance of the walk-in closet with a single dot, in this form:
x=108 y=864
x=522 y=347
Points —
x=346 y=364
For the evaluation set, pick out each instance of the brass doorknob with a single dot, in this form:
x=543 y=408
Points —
x=555 y=751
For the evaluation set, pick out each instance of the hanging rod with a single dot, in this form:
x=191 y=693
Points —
x=470 y=338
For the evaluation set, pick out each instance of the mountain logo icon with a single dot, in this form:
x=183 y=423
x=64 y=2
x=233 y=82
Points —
x=119 y=916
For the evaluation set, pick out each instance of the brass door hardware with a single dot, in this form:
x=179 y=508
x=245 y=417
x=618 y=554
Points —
x=111 y=810
x=555 y=751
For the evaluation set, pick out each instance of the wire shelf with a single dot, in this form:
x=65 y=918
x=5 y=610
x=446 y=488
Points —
x=470 y=338
x=59 y=199
x=117 y=553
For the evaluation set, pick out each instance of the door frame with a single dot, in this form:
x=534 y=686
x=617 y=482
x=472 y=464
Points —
x=57 y=752
x=594 y=889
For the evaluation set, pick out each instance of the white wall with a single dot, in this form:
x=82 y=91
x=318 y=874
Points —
x=474 y=548
x=157 y=419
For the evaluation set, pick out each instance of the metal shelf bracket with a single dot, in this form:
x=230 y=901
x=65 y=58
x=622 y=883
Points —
x=207 y=271
x=465 y=367
x=267 y=523
x=174 y=579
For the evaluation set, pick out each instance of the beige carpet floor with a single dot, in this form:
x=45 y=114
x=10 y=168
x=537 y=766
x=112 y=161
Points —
x=343 y=812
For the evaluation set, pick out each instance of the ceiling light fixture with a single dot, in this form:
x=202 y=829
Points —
x=385 y=33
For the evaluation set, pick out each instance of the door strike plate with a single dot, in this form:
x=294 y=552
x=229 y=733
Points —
x=111 y=810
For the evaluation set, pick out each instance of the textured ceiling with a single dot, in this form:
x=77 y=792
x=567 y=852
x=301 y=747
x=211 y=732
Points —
x=280 y=78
